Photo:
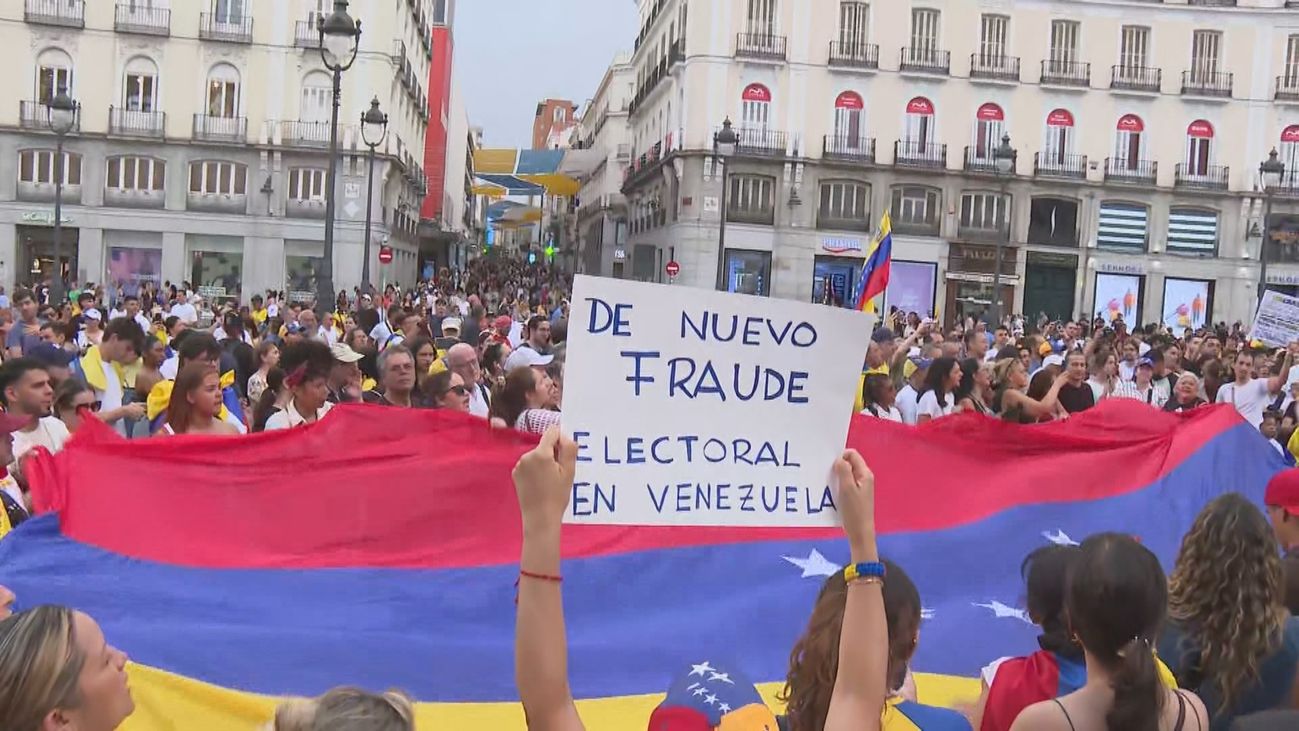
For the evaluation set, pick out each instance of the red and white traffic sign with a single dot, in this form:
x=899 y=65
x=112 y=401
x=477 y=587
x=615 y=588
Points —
x=672 y=268
x=385 y=254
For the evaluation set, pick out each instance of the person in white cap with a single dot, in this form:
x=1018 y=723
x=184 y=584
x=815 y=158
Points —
x=92 y=332
x=527 y=358
x=345 y=375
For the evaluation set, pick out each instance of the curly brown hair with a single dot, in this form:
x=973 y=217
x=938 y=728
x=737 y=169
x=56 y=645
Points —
x=814 y=661
x=1227 y=592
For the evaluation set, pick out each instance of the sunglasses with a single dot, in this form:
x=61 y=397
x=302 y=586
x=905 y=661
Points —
x=458 y=390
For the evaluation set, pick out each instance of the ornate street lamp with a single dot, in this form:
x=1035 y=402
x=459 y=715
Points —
x=340 y=37
x=61 y=113
x=374 y=127
x=725 y=142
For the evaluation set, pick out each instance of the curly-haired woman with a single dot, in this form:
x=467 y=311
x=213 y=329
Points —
x=1229 y=636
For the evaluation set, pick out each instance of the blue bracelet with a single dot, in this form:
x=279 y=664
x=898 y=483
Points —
x=855 y=571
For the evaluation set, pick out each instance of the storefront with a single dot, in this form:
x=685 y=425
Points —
x=1118 y=293
x=36 y=248
x=302 y=263
x=129 y=268
x=836 y=269
x=216 y=265
x=970 y=269
x=1049 y=284
x=1187 y=304
x=748 y=272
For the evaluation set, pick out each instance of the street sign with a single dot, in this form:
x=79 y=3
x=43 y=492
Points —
x=385 y=254
x=672 y=268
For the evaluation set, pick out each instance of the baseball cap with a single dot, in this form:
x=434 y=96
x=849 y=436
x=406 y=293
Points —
x=914 y=364
x=343 y=352
x=294 y=327
x=1145 y=363
x=883 y=335
x=451 y=323
x=1283 y=491
x=1054 y=359
x=707 y=698
x=526 y=358
x=502 y=323
x=12 y=422
x=92 y=314
x=49 y=354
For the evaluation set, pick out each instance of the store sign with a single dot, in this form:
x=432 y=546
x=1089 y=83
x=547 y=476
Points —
x=981 y=278
x=980 y=259
x=1282 y=278
x=1121 y=267
x=1048 y=259
x=836 y=245
x=619 y=254
x=212 y=292
x=44 y=218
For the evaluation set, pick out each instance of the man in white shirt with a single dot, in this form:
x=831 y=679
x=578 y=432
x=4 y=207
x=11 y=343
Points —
x=909 y=397
x=131 y=309
x=26 y=392
x=186 y=310
x=461 y=358
x=1251 y=396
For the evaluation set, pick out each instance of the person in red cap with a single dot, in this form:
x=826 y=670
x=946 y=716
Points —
x=1282 y=501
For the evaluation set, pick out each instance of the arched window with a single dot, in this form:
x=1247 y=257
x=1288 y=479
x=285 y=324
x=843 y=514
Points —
x=755 y=109
x=989 y=125
x=849 y=127
x=1129 y=141
x=53 y=72
x=317 y=91
x=1199 y=148
x=1059 y=137
x=140 y=85
x=38 y=166
x=1289 y=153
x=223 y=91
x=919 y=126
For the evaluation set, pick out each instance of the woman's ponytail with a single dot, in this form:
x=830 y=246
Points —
x=1138 y=696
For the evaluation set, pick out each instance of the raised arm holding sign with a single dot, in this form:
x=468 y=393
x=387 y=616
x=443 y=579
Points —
x=707 y=408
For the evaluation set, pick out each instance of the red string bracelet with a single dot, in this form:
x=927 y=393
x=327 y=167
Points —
x=530 y=575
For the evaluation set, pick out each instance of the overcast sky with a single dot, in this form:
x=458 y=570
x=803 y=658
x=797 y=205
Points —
x=511 y=54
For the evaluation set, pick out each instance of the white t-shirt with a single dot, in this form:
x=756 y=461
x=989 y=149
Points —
x=288 y=417
x=111 y=397
x=1250 y=399
x=890 y=414
x=907 y=402
x=185 y=311
x=928 y=406
x=49 y=433
x=170 y=367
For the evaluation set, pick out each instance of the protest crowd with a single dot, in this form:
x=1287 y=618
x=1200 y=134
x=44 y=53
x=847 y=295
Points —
x=1123 y=646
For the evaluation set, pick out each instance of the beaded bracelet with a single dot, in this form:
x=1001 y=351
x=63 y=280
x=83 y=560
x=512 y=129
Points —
x=855 y=571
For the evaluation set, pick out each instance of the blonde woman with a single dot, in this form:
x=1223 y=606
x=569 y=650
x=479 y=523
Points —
x=346 y=709
x=58 y=672
x=1011 y=400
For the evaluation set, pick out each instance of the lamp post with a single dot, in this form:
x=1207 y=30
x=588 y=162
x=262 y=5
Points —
x=1271 y=172
x=724 y=143
x=61 y=113
x=1004 y=156
x=374 y=127
x=340 y=36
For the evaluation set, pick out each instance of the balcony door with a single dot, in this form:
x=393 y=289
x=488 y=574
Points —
x=1199 y=148
x=1059 y=138
x=849 y=131
x=1129 y=142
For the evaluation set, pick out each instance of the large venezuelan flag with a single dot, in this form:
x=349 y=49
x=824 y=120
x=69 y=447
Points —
x=379 y=548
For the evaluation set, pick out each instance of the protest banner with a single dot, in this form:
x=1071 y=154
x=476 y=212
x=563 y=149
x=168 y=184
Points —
x=1277 y=321
x=695 y=407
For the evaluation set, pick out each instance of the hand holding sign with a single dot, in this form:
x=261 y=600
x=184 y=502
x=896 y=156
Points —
x=856 y=495
x=706 y=408
x=543 y=478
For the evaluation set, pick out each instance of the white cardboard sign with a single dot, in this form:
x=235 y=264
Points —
x=696 y=407
x=1277 y=321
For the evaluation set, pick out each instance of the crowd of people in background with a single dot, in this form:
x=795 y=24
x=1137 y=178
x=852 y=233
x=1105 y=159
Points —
x=1211 y=646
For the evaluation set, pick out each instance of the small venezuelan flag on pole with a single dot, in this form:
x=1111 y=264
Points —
x=875 y=274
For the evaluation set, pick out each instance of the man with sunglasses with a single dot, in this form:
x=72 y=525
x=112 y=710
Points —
x=462 y=360
x=26 y=393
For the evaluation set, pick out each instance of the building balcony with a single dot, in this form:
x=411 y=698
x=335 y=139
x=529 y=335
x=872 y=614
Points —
x=227 y=29
x=35 y=115
x=307 y=35
x=132 y=123
x=398 y=51
x=1135 y=172
x=1289 y=187
x=145 y=21
x=846 y=148
x=921 y=226
x=759 y=142
x=1136 y=78
x=980 y=161
x=1056 y=165
x=66 y=13
x=996 y=231
x=310 y=208
x=1202 y=177
x=216 y=202
x=864 y=56
x=220 y=129
x=761 y=46
x=1067 y=73
x=917 y=154
x=44 y=193
x=305 y=134
x=833 y=221
x=915 y=59
x=124 y=198
x=677 y=52
x=1287 y=88
x=1207 y=83
x=994 y=68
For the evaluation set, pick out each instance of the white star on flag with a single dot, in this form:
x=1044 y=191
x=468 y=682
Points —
x=1003 y=611
x=700 y=690
x=711 y=699
x=814 y=565
x=723 y=677
x=723 y=708
x=926 y=613
x=1059 y=538
x=701 y=668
